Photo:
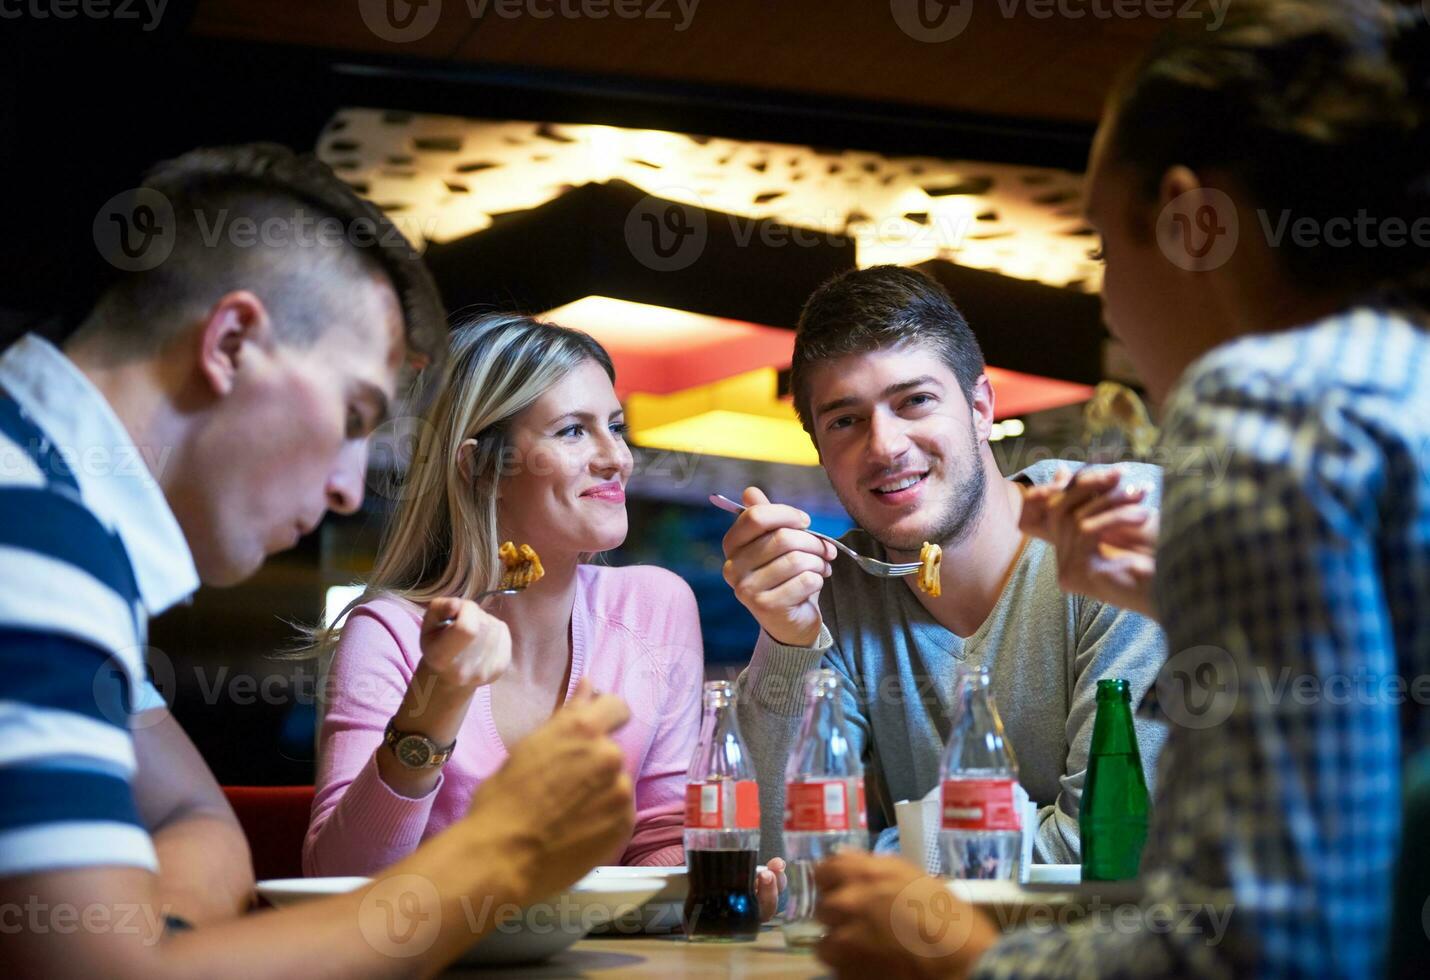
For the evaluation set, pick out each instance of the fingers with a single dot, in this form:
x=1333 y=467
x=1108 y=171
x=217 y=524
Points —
x=1118 y=496
x=598 y=714
x=447 y=607
x=795 y=592
x=1117 y=518
x=768 y=892
x=776 y=573
x=840 y=869
x=1085 y=484
x=753 y=497
x=761 y=519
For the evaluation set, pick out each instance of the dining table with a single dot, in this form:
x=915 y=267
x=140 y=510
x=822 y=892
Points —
x=670 y=956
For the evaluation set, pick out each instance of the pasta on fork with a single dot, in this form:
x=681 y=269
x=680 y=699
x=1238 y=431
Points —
x=928 y=579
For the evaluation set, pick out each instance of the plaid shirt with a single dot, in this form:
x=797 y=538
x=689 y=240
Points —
x=1296 y=596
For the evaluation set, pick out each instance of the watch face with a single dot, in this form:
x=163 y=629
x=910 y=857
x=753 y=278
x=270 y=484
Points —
x=414 y=751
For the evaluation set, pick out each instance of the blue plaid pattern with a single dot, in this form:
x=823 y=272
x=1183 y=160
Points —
x=1296 y=593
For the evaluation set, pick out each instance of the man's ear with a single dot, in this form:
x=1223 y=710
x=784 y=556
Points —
x=238 y=319
x=981 y=405
x=1176 y=182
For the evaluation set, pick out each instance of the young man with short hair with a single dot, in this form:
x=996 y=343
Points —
x=246 y=372
x=889 y=381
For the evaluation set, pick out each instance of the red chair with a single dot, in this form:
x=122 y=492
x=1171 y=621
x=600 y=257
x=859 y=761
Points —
x=275 y=820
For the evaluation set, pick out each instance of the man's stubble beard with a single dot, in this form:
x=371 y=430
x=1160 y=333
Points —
x=960 y=516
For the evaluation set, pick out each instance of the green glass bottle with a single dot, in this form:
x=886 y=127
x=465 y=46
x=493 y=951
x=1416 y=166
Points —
x=1113 y=821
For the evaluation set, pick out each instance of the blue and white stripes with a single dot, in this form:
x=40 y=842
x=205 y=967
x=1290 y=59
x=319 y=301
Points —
x=73 y=620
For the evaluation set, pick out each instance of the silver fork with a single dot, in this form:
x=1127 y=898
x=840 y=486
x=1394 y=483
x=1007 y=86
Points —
x=449 y=620
x=873 y=566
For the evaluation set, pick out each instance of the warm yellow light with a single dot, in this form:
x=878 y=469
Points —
x=615 y=320
x=737 y=434
x=740 y=417
x=751 y=393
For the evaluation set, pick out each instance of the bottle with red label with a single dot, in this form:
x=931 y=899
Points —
x=824 y=801
x=982 y=830
x=722 y=827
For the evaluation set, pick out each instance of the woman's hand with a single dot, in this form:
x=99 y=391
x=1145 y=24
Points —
x=768 y=885
x=475 y=649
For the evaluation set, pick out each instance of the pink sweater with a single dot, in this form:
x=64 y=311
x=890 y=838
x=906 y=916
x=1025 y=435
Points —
x=634 y=631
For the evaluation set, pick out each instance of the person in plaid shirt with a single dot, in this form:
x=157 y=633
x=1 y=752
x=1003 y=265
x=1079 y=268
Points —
x=1295 y=592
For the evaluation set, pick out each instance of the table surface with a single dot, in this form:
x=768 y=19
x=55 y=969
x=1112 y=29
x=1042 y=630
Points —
x=666 y=956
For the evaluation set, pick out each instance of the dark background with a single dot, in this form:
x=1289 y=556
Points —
x=86 y=106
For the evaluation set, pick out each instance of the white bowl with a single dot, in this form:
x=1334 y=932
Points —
x=526 y=935
x=661 y=914
x=283 y=892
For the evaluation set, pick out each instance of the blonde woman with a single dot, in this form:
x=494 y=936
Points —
x=524 y=442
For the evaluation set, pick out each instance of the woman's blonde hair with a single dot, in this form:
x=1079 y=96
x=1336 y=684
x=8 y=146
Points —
x=443 y=539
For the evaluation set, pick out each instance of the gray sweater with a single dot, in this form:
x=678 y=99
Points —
x=1046 y=651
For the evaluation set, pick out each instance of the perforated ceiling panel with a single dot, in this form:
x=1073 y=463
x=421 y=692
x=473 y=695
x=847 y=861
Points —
x=444 y=177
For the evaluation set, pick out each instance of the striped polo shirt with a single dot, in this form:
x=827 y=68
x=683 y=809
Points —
x=89 y=550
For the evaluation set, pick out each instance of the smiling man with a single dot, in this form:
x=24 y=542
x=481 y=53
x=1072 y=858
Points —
x=889 y=381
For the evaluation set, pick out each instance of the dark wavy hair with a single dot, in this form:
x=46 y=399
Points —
x=1316 y=107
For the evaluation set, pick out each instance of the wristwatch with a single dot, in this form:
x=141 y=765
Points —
x=415 y=750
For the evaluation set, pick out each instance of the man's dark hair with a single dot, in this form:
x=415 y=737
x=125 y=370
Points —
x=305 y=237
x=879 y=308
x=1319 y=110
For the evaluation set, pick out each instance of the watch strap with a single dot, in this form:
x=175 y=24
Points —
x=391 y=735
